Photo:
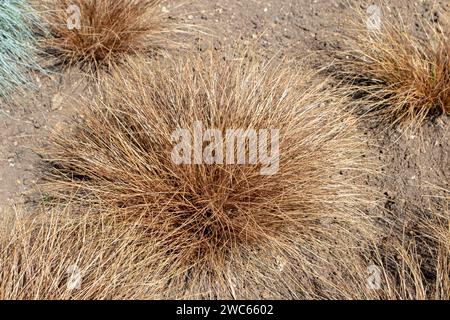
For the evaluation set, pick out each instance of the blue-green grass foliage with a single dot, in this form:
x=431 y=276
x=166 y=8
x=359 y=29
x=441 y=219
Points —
x=17 y=45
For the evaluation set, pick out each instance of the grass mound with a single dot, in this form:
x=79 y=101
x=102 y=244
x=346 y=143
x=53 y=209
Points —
x=222 y=229
x=404 y=73
x=97 y=34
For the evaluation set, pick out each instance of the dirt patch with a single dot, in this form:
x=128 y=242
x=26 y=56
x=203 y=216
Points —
x=25 y=124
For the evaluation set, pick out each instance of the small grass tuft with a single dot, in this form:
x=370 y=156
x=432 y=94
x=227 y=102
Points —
x=95 y=34
x=403 y=71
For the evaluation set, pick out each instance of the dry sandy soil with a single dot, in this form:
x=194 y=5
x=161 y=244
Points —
x=294 y=28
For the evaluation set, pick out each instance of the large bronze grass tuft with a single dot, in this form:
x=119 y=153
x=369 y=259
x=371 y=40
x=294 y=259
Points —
x=223 y=230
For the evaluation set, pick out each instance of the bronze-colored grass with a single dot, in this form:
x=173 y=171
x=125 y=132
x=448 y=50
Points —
x=67 y=253
x=110 y=31
x=403 y=72
x=103 y=258
x=42 y=254
x=224 y=231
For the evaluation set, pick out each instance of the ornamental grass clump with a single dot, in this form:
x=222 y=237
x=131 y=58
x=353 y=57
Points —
x=18 y=54
x=97 y=35
x=285 y=220
x=403 y=73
